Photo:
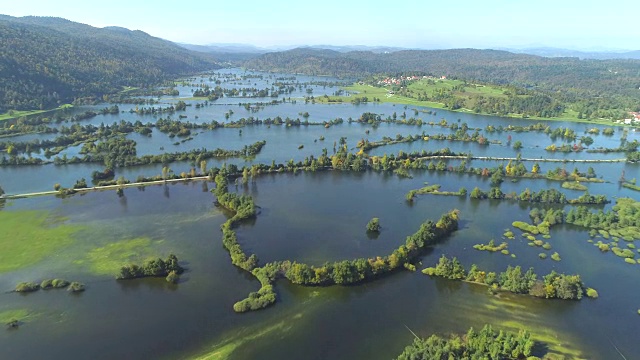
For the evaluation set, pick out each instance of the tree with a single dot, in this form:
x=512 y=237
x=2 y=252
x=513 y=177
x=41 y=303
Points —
x=536 y=168
x=517 y=145
x=203 y=167
x=374 y=225
x=1 y=191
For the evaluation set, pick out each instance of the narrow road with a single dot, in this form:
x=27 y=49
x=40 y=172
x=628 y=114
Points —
x=107 y=187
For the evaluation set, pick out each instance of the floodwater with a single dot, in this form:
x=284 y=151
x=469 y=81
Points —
x=312 y=218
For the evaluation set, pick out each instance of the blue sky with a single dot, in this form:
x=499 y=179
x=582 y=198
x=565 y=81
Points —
x=586 y=24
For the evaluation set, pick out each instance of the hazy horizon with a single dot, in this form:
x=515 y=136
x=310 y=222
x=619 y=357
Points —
x=491 y=24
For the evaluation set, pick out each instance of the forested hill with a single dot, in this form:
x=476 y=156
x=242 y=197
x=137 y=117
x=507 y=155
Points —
x=46 y=61
x=619 y=77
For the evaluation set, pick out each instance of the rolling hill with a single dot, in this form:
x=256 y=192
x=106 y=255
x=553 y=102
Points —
x=48 y=61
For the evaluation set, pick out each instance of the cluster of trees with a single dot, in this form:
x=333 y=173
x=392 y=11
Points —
x=546 y=196
x=553 y=285
x=484 y=344
x=623 y=220
x=121 y=152
x=49 y=284
x=154 y=267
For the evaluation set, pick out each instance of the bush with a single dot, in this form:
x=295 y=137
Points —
x=546 y=246
x=592 y=293
x=53 y=284
x=542 y=256
x=173 y=277
x=556 y=256
x=76 y=287
x=374 y=225
x=27 y=287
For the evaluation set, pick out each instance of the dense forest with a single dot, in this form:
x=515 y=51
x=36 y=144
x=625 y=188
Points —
x=46 y=62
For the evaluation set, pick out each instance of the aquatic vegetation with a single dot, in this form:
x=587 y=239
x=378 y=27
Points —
x=108 y=260
x=31 y=236
x=492 y=247
x=574 y=186
x=555 y=256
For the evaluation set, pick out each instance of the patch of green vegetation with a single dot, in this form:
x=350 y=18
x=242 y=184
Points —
x=27 y=287
x=602 y=246
x=29 y=237
x=76 y=287
x=542 y=334
x=592 y=293
x=108 y=260
x=491 y=246
x=53 y=284
x=546 y=246
x=470 y=95
x=574 y=185
x=624 y=253
x=509 y=235
x=16 y=314
x=542 y=256
x=629 y=261
x=14 y=114
x=542 y=228
x=224 y=349
x=555 y=256
x=631 y=186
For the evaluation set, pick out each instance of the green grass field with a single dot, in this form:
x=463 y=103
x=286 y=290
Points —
x=471 y=92
x=29 y=236
x=14 y=114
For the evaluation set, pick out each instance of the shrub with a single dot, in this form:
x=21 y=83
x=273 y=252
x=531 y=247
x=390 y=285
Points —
x=629 y=261
x=76 y=287
x=374 y=225
x=53 y=284
x=173 y=277
x=27 y=287
x=592 y=293
x=429 y=271
x=546 y=246
x=542 y=256
x=556 y=256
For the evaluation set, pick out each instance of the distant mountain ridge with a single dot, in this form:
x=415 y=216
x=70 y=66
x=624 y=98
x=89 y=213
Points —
x=620 y=77
x=46 y=61
x=557 y=52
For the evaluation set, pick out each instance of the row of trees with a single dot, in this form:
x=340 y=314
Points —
x=546 y=196
x=552 y=285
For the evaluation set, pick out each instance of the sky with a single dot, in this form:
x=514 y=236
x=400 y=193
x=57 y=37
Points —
x=570 y=24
